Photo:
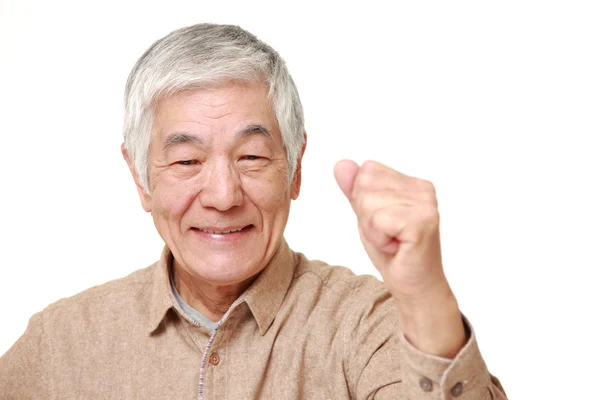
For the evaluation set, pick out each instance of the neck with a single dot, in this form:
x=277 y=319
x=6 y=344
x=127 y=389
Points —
x=211 y=300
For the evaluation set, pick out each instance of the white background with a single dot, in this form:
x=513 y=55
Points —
x=497 y=103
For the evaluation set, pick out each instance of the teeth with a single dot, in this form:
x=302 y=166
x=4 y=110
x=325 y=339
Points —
x=221 y=232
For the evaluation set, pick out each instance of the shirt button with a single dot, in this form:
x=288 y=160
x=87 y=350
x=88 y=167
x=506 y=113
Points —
x=457 y=389
x=426 y=384
x=214 y=359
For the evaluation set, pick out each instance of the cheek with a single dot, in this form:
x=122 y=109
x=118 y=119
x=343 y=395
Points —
x=268 y=195
x=171 y=201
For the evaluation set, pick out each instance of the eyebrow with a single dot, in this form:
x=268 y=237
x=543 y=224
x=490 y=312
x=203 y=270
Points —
x=253 y=129
x=185 y=137
x=181 y=137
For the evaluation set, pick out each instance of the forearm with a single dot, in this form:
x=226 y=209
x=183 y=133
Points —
x=433 y=323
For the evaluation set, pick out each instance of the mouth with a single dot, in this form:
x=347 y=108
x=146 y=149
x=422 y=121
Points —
x=222 y=231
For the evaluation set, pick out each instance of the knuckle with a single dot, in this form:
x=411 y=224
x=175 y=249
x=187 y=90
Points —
x=361 y=203
x=368 y=202
x=373 y=230
x=428 y=192
x=426 y=185
x=429 y=215
x=370 y=166
x=365 y=180
x=379 y=218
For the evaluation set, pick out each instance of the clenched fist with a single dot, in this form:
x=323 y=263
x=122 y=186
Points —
x=398 y=223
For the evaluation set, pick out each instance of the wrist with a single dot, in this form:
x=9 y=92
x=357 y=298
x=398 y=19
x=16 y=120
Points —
x=433 y=324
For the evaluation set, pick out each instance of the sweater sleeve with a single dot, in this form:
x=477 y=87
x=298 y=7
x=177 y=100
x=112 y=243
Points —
x=382 y=364
x=465 y=377
x=25 y=367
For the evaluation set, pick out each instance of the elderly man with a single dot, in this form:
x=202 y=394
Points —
x=214 y=138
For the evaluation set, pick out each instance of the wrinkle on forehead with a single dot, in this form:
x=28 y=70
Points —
x=241 y=134
x=214 y=103
x=214 y=99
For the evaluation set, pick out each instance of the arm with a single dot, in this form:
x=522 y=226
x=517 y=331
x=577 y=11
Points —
x=24 y=368
x=398 y=222
x=382 y=364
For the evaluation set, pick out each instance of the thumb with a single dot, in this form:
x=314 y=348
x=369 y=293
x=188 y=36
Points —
x=345 y=172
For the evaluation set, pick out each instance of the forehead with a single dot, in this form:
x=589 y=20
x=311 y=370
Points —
x=223 y=106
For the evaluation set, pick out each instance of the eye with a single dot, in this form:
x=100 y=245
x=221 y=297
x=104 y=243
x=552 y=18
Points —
x=251 y=157
x=188 y=162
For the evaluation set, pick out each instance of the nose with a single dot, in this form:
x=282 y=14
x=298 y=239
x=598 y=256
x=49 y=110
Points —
x=221 y=187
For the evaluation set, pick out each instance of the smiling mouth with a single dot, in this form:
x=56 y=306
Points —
x=222 y=232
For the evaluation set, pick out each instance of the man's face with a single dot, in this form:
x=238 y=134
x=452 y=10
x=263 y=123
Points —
x=219 y=176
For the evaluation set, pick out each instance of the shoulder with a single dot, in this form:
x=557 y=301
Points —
x=357 y=308
x=337 y=279
x=103 y=303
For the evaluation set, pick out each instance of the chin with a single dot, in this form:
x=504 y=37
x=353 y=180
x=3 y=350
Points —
x=227 y=272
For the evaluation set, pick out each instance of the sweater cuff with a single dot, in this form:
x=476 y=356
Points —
x=431 y=377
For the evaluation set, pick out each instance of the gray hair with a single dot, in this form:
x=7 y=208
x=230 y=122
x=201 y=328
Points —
x=207 y=55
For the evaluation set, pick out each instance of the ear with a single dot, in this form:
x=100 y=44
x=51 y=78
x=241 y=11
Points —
x=145 y=198
x=297 y=180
